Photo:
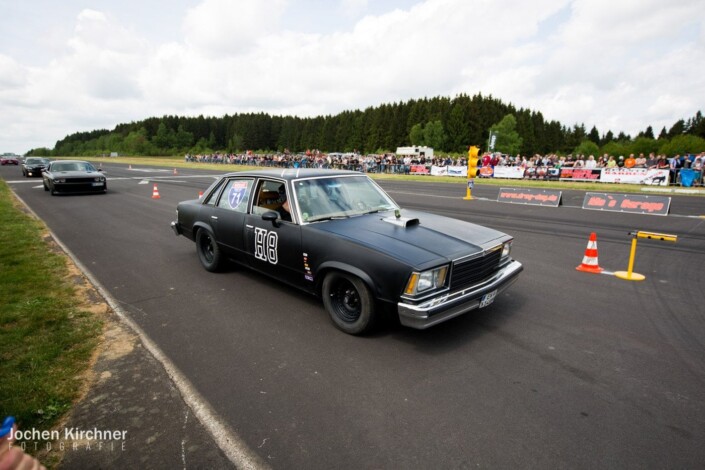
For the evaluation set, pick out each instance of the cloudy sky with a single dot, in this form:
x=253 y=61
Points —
x=79 y=65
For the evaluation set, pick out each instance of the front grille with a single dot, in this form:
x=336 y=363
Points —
x=475 y=270
x=80 y=180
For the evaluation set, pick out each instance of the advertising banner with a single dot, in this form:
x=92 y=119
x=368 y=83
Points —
x=633 y=203
x=419 y=169
x=514 y=172
x=439 y=170
x=486 y=172
x=580 y=174
x=635 y=176
x=535 y=197
x=458 y=171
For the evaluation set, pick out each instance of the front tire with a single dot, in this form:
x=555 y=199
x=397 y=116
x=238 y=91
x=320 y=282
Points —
x=209 y=253
x=349 y=302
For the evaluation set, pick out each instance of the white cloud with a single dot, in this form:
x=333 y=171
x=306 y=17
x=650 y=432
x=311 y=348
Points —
x=618 y=65
x=226 y=27
x=353 y=8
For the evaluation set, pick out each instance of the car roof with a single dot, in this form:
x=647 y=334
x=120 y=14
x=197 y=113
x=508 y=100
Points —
x=291 y=174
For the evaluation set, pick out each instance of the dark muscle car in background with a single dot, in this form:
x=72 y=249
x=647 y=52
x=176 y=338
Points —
x=34 y=166
x=344 y=239
x=73 y=176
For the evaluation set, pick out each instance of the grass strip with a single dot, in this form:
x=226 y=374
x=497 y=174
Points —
x=46 y=337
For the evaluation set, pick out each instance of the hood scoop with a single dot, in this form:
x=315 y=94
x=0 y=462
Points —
x=402 y=221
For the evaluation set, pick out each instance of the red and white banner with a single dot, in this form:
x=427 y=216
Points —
x=419 y=170
x=581 y=174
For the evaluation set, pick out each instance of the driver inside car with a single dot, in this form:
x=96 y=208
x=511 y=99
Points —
x=284 y=210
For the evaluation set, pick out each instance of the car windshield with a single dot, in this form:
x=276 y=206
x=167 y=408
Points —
x=34 y=161
x=72 y=166
x=340 y=196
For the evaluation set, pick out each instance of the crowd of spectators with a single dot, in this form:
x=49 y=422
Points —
x=392 y=163
x=378 y=163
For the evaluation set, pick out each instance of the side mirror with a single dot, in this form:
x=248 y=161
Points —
x=271 y=216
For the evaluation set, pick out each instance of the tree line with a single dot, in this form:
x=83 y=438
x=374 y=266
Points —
x=448 y=125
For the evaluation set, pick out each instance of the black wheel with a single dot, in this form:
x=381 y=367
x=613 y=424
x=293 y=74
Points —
x=349 y=302
x=208 y=251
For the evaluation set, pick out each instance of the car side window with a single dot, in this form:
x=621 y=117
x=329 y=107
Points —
x=236 y=195
x=268 y=196
x=212 y=195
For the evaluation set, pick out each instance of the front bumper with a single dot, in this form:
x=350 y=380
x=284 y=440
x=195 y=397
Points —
x=448 y=305
x=176 y=227
x=80 y=187
x=34 y=171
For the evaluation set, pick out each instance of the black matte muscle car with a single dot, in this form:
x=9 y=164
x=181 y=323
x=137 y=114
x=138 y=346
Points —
x=348 y=242
x=73 y=176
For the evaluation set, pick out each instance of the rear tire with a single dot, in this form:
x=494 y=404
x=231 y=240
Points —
x=349 y=303
x=209 y=253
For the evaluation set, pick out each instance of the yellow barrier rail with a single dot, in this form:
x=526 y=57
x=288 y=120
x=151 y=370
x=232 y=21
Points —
x=629 y=274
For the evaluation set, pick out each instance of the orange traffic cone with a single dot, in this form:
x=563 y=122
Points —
x=175 y=171
x=129 y=167
x=200 y=194
x=589 y=264
x=155 y=192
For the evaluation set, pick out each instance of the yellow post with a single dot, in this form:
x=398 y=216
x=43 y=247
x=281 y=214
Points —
x=629 y=275
x=473 y=152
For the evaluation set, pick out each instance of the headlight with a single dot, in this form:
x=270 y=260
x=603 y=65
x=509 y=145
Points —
x=426 y=281
x=506 y=249
x=60 y=180
x=100 y=178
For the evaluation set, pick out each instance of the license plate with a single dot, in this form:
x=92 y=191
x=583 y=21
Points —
x=488 y=298
x=97 y=184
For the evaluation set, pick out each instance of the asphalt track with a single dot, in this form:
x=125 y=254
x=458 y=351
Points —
x=565 y=370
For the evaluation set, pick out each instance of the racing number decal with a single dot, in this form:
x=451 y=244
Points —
x=266 y=245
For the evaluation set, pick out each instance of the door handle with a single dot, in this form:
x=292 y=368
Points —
x=214 y=217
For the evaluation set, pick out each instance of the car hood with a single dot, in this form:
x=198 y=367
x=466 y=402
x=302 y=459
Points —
x=434 y=239
x=76 y=174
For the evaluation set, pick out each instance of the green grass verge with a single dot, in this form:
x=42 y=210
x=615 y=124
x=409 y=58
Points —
x=46 y=339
